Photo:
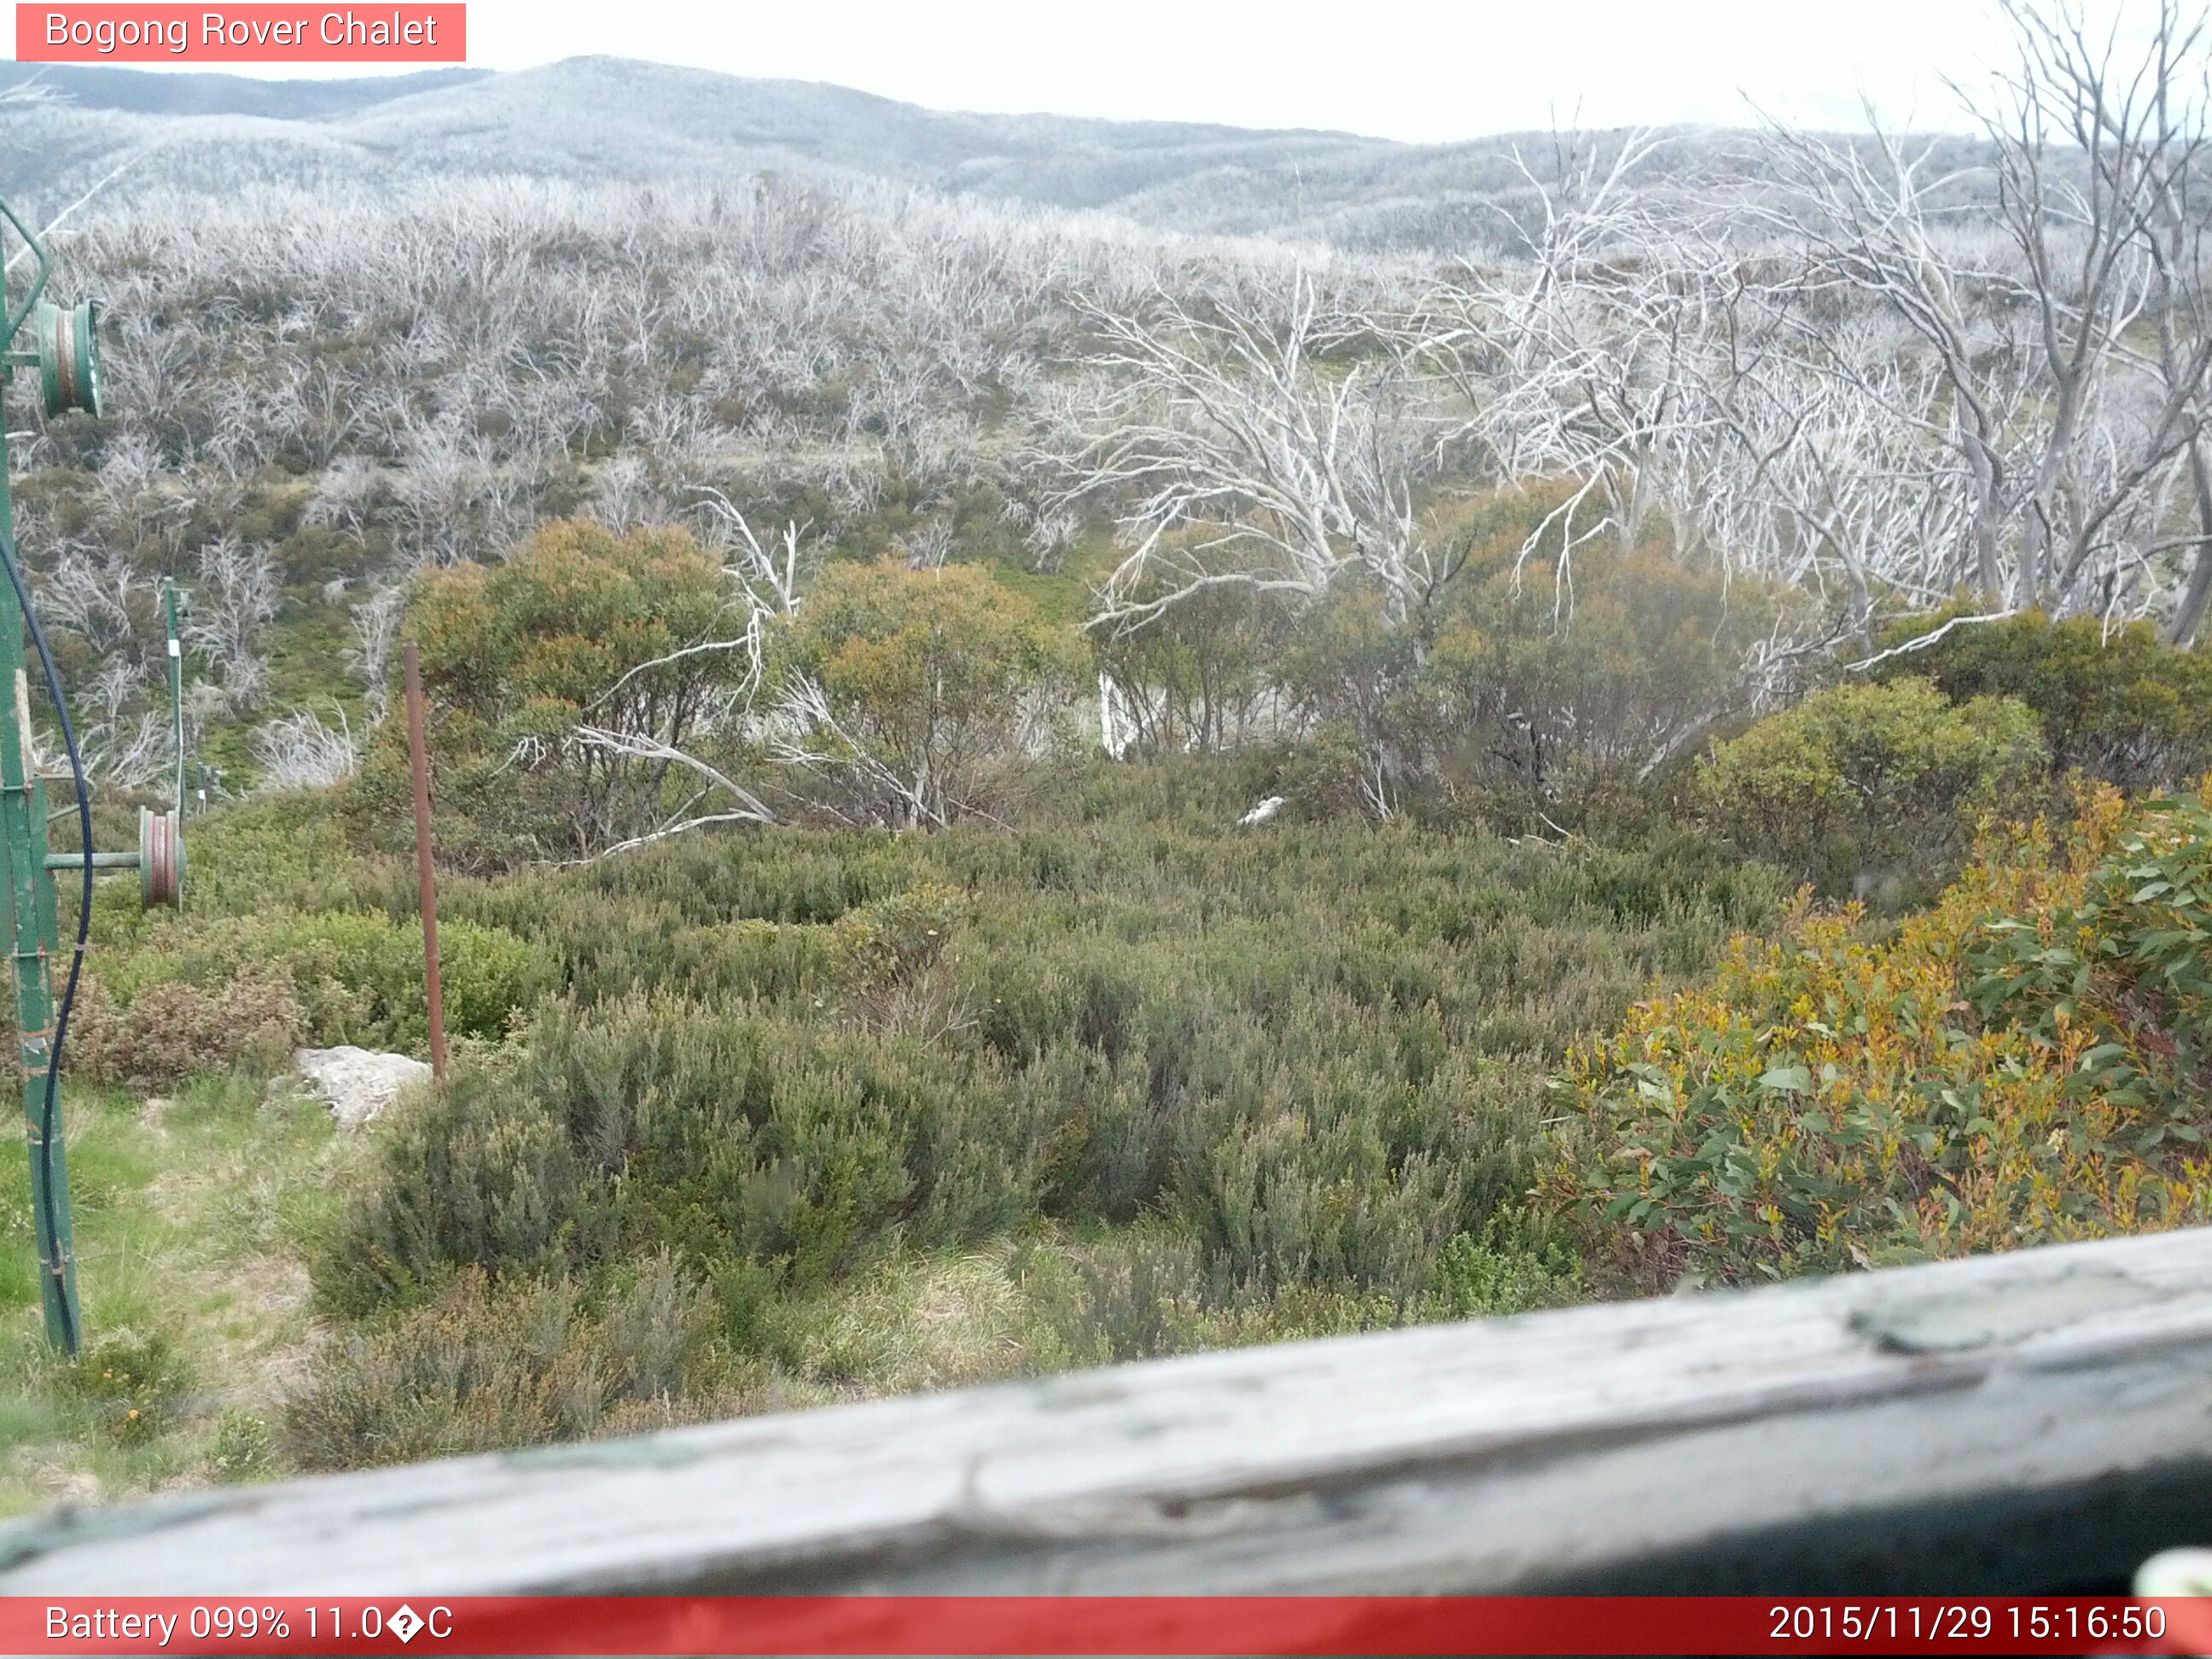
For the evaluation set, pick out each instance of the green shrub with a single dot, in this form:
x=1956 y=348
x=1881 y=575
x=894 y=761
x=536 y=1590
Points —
x=1135 y=1297
x=273 y=853
x=1874 y=790
x=1242 y=1084
x=1566 y=682
x=486 y=1367
x=1481 y=1276
x=656 y=1326
x=172 y=1031
x=516 y=656
x=658 y=1121
x=280 y=852
x=890 y=960
x=1324 y=775
x=1199 y=675
x=2017 y=1066
x=1313 y=1054
x=1531 y=683
x=930 y=677
x=133 y=1384
x=244 y=1447
x=477 y=1175
x=354 y=976
x=2121 y=962
x=1358 y=672
x=2114 y=701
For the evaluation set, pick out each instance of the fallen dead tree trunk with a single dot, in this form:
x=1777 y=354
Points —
x=2031 y=1422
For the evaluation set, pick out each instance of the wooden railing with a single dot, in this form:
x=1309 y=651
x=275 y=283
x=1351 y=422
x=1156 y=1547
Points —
x=2032 y=1422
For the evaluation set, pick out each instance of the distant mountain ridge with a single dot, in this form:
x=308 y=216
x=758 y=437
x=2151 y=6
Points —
x=589 y=119
x=141 y=92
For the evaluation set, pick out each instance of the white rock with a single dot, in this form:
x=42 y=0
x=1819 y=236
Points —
x=358 y=1083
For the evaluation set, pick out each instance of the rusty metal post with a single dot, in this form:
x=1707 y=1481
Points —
x=418 y=753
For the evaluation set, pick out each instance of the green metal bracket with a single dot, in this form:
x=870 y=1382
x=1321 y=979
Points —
x=16 y=317
x=99 y=860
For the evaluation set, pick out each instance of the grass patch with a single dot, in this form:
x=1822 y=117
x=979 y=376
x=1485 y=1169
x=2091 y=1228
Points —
x=191 y=1217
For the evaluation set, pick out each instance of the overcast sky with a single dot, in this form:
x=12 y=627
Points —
x=1424 y=70
x=1421 y=69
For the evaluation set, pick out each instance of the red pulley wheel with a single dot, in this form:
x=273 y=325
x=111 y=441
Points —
x=160 y=858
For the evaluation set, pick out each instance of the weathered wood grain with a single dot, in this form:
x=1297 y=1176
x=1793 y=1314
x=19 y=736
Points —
x=2029 y=1420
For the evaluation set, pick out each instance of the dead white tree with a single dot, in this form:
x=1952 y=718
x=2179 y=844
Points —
x=120 y=740
x=767 y=582
x=928 y=547
x=376 y=622
x=1584 y=361
x=91 y=598
x=618 y=747
x=658 y=737
x=1268 y=444
x=298 y=752
x=234 y=601
x=2166 y=142
x=2026 y=281
x=2089 y=144
x=805 y=733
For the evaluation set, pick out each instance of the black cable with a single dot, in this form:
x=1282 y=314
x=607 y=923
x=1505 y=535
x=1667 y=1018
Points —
x=48 y=1113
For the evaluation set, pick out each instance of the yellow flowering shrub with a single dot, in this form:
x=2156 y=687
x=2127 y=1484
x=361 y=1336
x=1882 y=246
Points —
x=2023 y=1063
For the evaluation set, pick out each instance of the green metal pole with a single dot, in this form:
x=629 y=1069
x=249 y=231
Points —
x=34 y=936
x=67 y=359
x=176 y=689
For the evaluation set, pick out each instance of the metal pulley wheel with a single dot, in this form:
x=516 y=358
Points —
x=160 y=858
x=69 y=357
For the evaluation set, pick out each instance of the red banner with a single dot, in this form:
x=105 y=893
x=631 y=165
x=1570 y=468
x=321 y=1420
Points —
x=1132 y=1625
x=367 y=33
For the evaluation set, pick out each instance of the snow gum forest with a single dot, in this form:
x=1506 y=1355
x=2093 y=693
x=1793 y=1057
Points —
x=1078 y=747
